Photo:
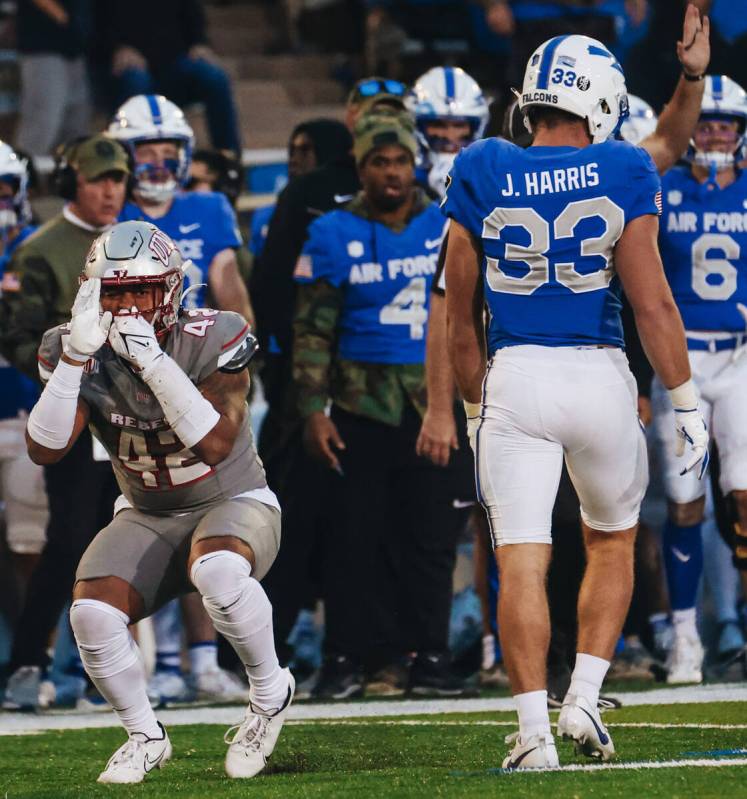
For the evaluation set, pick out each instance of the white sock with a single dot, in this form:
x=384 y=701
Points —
x=684 y=622
x=588 y=676
x=112 y=661
x=488 y=652
x=203 y=657
x=533 y=715
x=241 y=611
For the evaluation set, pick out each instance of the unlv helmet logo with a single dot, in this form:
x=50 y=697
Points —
x=161 y=247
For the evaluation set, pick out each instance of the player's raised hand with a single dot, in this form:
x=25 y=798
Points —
x=132 y=337
x=88 y=328
x=694 y=51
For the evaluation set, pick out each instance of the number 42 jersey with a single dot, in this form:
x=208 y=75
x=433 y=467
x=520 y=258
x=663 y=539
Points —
x=548 y=219
x=703 y=242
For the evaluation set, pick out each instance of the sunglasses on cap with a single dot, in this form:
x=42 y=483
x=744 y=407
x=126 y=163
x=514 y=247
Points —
x=373 y=86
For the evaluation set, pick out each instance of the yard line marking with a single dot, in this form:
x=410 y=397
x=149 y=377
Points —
x=703 y=762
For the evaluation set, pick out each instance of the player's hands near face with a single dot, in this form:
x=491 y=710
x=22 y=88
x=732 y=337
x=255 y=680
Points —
x=132 y=337
x=692 y=432
x=88 y=328
x=437 y=436
x=694 y=51
x=320 y=436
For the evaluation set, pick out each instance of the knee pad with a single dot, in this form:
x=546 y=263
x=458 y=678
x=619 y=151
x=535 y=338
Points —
x=220 y=577
x=105 y=644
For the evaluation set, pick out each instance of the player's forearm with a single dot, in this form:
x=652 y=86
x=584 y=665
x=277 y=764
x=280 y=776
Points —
x=51 y=423
x=468 y=359
x=663 y=338
x=439 y=376
x=669 y=142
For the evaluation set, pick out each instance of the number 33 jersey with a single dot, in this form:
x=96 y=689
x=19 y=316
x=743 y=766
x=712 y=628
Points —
x=703 y=242
x=155 y=472
x=548 y=219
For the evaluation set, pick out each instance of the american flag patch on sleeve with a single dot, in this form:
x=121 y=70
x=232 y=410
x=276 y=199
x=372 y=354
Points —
x=657 y=201
x=303 y=264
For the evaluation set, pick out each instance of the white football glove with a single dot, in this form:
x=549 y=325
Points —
x=88 y=328
x=473 y=411
x=133 y=338
x=691 y=428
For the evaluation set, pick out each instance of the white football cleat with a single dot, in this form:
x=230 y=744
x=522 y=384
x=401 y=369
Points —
x=136 y=757
x=582 y=723
x=534 y=751
x=255 y=738
x=685 y=662
x=219 y=685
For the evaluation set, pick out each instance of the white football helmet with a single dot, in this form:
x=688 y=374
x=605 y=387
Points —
x=15 y=210
x=723 y=98
x=579 y=75
x=151 y=117
x=641 y=120
x=138 y=253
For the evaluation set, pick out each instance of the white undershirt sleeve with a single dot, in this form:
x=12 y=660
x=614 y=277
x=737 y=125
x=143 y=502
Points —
x=52 y=419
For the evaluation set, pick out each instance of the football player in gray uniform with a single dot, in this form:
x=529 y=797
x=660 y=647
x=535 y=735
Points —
x=164 y=390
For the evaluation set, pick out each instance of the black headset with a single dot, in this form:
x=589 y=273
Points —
x=64 y=179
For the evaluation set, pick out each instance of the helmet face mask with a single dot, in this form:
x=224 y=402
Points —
x=152 y=119
x=133 y=255
x=579 y=75
x=724 y=101
x=447 y=95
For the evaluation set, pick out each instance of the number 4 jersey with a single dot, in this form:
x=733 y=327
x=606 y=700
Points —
x=703 y=242
x=155 y=472
x=548 y=219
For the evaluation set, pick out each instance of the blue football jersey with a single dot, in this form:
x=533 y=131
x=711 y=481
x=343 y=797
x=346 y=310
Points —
x=703 y=243
x=548 y=219
x=201 y=225
x=259 y=227
x=385 y=277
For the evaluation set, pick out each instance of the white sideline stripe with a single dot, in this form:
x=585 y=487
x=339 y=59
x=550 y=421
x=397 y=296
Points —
x=490 y=723
x=703 y=762
x=699 y=694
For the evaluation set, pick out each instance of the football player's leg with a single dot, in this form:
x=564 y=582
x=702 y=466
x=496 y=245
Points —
x=232 y=549
x=517 y=478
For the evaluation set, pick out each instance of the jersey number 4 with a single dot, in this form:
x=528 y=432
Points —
x=408 y=308
x=534 y=255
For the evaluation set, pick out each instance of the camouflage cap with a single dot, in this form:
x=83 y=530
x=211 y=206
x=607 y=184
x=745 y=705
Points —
x=97 y=155
x=381 y=128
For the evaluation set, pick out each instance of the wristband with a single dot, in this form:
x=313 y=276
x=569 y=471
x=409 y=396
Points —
x=472 y=409
x=693 y=78
x=684 y=397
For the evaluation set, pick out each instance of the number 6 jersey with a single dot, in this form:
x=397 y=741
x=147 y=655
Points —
x=703 y=242
x=155 y=472
x=548 y=219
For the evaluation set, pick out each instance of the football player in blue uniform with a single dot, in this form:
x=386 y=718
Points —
x=546 y=236
x=703 y=241
x=203 y=225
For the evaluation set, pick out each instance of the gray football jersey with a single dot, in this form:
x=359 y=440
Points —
x=154 y=470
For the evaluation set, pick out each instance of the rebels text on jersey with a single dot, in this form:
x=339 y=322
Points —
x=703 y=243
x=201 y=224
x=386 y=278
x=155 y=472
x=548 y=219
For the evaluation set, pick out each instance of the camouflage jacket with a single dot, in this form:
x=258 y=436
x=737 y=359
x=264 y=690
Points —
x=378 y=391
x=45 y=270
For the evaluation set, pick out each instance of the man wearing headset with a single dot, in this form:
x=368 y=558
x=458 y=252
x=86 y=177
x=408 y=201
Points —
x=91 y=175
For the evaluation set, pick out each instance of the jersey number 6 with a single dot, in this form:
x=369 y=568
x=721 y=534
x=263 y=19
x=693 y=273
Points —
x=534 y=255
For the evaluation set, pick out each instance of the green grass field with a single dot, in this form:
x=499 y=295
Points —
x=455 y=755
